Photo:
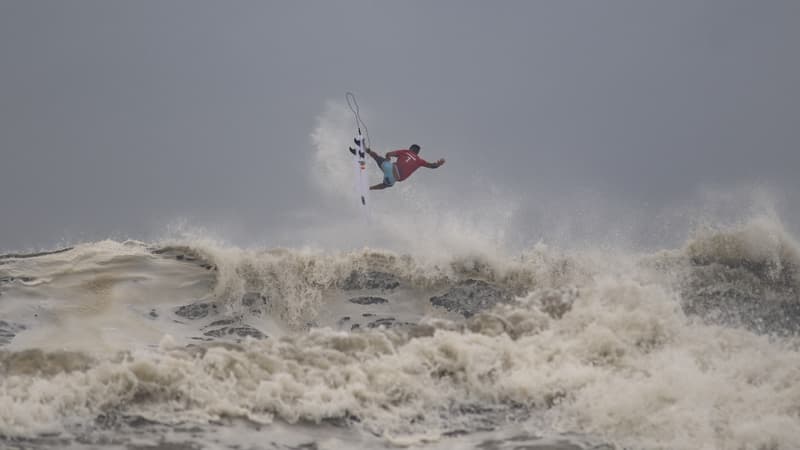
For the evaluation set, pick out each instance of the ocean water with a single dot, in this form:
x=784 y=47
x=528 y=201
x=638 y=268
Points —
x=188 y=343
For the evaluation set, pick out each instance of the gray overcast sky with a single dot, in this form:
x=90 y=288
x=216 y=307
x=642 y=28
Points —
x=117 y=118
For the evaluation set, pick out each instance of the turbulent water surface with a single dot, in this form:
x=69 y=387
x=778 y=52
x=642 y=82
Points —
x=184 y=345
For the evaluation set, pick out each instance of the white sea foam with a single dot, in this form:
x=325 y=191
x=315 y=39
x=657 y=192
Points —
x=596 y=343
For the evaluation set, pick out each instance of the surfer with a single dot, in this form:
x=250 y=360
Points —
x=406 y=162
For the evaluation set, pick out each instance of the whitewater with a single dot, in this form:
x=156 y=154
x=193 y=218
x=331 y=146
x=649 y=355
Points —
x=453 y=340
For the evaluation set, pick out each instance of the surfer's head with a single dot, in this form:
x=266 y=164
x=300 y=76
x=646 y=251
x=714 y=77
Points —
x=414 y=148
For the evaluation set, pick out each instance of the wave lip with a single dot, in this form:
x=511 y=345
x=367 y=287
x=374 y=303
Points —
x=746 y=276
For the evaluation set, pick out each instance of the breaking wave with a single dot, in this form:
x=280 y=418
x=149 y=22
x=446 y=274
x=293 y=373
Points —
x=694 y=347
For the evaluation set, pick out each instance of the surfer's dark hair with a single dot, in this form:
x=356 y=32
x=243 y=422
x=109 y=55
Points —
x=414 y=148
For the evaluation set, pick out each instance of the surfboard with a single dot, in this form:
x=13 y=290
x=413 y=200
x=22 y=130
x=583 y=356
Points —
x=360 y=165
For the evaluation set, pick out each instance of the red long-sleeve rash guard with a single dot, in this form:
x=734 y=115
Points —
x=407 y=162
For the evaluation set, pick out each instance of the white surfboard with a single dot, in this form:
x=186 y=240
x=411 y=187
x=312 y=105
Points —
x=360 y=164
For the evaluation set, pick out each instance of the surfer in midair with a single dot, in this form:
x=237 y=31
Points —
x=406 y=162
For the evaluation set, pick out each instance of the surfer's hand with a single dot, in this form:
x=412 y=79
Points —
x=440 y=162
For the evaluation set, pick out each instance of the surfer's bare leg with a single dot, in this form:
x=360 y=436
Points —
x=378 y=158
x=379 y=186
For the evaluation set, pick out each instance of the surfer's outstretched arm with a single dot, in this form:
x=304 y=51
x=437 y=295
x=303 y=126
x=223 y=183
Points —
x=435 y=164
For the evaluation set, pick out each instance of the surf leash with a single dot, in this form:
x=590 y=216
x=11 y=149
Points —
x=353 y=104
